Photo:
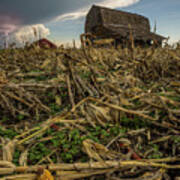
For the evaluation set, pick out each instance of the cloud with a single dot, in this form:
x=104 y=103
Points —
x=31 y=33
x=8 y=24
x=106 y=3
x=118 y=3
x=17 y=13
x=28 y=12
x=18 y=16
x=27 y=34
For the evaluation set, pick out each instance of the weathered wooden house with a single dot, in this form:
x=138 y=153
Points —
x=104 y=23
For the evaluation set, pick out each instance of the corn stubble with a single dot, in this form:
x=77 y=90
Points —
x=92 y=112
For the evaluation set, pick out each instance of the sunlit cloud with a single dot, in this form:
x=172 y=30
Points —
x=26 y=34
x=107 y=3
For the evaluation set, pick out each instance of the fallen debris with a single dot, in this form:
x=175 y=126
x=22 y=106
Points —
x=81 y=113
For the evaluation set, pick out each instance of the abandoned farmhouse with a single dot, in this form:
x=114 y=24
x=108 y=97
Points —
x=104 y=23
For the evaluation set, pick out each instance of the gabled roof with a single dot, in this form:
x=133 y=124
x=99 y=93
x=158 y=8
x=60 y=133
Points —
x=108 y=22
x=118 y=17
x=45 y=42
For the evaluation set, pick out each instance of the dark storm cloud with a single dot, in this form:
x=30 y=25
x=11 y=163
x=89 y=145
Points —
x=16 y=13
x=39 y=11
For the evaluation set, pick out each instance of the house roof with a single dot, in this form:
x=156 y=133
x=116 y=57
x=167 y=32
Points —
x=107 y=22
x=43 y=42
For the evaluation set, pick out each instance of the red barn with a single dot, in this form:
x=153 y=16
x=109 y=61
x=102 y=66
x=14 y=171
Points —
x=45 y=43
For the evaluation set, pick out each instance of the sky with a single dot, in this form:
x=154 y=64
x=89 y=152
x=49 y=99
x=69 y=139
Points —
x=63 y=20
